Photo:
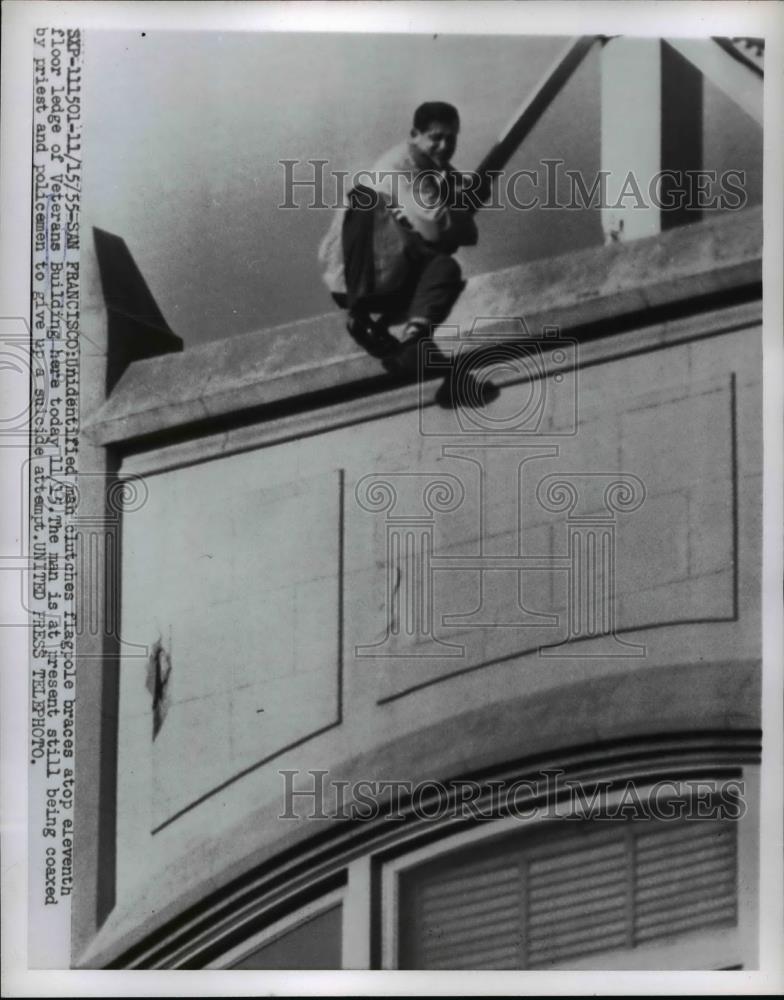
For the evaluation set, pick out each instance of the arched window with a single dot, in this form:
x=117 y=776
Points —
x=571 y=894
x=553 y=881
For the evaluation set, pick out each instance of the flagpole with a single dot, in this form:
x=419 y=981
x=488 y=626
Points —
x=529 y=113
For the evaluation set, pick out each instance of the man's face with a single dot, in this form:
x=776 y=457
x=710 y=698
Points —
x=438 y=141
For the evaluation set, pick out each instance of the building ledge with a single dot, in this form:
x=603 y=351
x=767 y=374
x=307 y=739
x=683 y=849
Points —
x=311 y=363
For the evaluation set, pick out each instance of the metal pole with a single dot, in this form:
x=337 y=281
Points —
x=529 y=113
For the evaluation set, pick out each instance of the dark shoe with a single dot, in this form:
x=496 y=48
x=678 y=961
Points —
x=371 y=336
x=405 y=362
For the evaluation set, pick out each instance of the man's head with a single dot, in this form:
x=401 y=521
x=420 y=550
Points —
x=435 y=129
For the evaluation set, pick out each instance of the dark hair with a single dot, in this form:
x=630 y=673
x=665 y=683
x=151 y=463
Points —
x=435 y=111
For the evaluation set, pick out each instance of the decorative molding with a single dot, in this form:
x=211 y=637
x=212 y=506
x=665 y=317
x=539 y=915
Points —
x=351 y=412
x=560 y=493
x=222 y=385
x=194 y=937
x=307 y=737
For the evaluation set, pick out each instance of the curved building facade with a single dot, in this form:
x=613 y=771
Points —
x=382 y=684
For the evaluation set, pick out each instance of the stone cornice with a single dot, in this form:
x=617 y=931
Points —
x=312 y=363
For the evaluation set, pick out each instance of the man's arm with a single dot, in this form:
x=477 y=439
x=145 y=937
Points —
x=425 y=202
x=462 y=228
x=436 y=212
x=416 y=205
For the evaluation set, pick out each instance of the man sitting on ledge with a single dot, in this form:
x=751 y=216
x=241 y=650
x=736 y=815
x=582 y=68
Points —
x=390 y=252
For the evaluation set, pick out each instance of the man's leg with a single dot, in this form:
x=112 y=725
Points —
x=357 y=238
x=373 y=337
x=437 y=289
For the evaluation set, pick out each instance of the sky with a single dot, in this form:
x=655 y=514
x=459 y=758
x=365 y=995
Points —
x=186 y=130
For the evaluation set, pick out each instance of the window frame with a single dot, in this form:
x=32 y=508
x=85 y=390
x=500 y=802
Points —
x=706 y=949
x=369 y=897
x=272 y=932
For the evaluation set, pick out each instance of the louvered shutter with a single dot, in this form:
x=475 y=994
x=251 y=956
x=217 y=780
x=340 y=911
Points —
x=469 y=916
x=685 y=878
x=533 y=902
x=577 y=897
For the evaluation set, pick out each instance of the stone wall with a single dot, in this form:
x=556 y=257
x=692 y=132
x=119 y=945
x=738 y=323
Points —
x=423 y=593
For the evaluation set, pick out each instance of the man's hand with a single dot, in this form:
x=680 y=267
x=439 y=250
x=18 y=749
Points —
x=460 y=232
x=463 y=225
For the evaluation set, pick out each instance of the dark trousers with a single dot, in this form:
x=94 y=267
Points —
x=435 y=287
x=432 y=287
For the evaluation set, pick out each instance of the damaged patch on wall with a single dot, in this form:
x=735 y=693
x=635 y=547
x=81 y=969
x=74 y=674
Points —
x=159 y=668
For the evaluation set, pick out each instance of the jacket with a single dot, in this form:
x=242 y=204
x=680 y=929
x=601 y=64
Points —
x=416 y=201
